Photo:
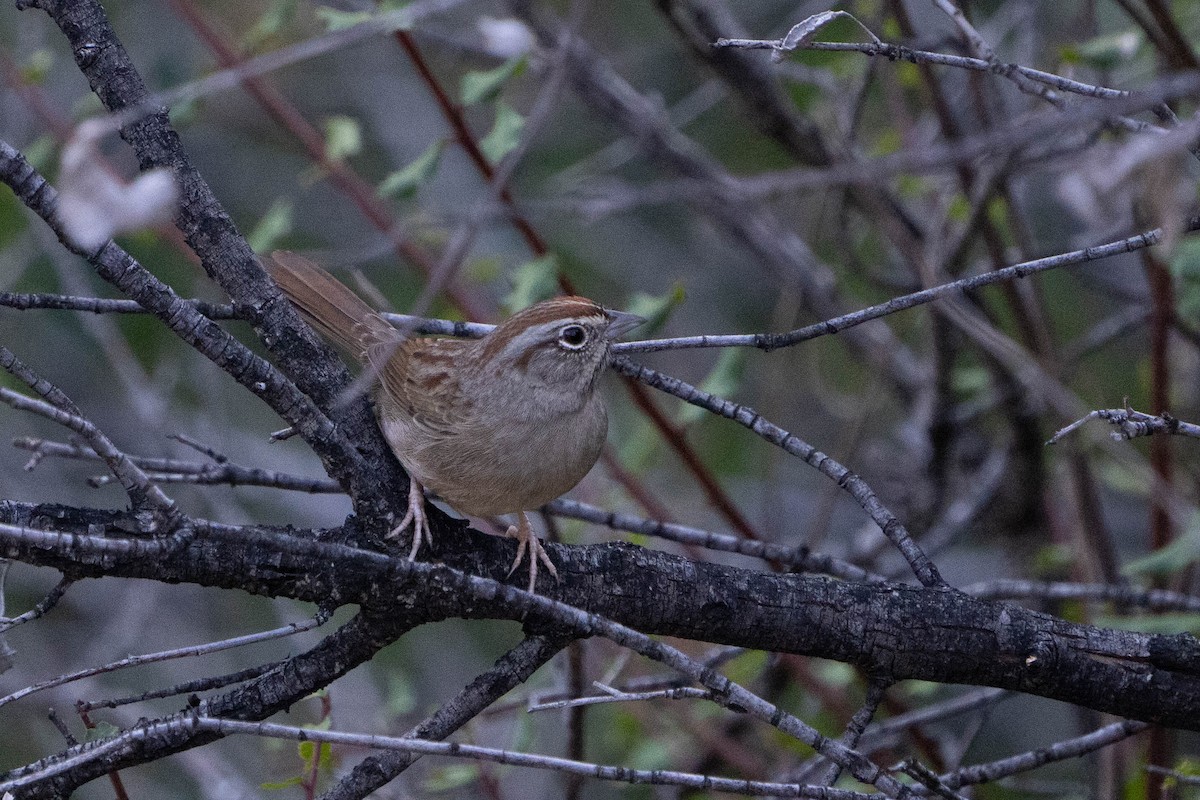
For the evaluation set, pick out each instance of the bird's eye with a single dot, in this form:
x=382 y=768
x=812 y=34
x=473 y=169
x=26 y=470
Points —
x=572 y=337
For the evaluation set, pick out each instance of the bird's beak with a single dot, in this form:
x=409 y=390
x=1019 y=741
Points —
x=621 y=323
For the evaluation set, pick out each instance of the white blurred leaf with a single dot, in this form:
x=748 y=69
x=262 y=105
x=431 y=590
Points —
x=95 y=204
x=505 y=38
x=804 y=31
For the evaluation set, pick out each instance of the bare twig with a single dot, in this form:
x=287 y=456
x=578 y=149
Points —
x=1131 y=424
x=426 y=747
x=611 y=695
x=794 y=557
x=1120 y=594
x=167 y=655
x=43 y=606
x=61 y=409
x=747 y=417
x=1059 y=751
x=103 y=305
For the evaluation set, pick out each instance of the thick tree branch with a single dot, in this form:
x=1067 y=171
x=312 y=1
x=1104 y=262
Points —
x=890 y=630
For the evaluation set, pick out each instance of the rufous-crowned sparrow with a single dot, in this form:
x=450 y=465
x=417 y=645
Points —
x=497 y=425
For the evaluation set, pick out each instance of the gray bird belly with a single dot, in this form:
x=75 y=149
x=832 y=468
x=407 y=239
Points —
x=515 y=467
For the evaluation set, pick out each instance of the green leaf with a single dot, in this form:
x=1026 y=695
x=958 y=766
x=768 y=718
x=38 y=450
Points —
x=272 y=226
x=655 y=310
x=41 y=152
x=340 y=20
x=1052 y=560
x=286 y=784
x=533 y=281
x=650 y=753
x=1170 y=559
x=747 y=667
x=400 y=698
x=279 y=14
x=12 y=224
x=1106 y=52
x=405 y=182
x=309 y=748
x=37 y=66
x=1166 y=624
x=505 y=134
x=452 y=776
x=722 y=380
x=484 y=85
x=103 y=730
x=343 y=137
x=1185 y=266
x=970 y=380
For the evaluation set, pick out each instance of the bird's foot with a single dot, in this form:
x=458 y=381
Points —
x=526 y=539
x=416 y=516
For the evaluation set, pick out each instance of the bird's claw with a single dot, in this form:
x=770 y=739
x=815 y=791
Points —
x=526 y=539
x=415 y=515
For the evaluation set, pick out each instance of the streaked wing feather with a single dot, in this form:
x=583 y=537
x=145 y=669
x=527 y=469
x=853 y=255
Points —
x=419 y=379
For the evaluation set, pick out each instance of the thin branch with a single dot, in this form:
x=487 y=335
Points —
x=611 y=695
x=187 y=687
x=167 y=655
x=882 y=734
x=850 y=737
x=173 y=470
x=772 y=341
x=225 y=79
x=1131 y=424
x=209 y=339
x=1059 y=751
x=455 y=118
x=41 y=609
x=898 y=52
x=103 y=305
x=427 y=747
x=341 y=174
x=333 y=656
x=756 y=226
x=983 y=50
x=511 y=669
x=1037 y=137
x=799 y=558
x=747 y=417
x=61 y=409
x=1181 y=777
x=1120 y=594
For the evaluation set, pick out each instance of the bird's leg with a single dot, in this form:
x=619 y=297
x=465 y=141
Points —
x=525 y=538
x=415 y=515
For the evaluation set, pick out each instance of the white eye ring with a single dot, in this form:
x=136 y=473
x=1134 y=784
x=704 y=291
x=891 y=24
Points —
x=573 y=337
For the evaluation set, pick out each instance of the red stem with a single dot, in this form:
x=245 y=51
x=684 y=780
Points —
x=287 y=116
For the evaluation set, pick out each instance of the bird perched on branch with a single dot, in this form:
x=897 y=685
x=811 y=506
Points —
x=498 y=425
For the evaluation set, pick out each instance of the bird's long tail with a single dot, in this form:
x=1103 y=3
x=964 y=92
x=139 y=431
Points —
x=327 y=303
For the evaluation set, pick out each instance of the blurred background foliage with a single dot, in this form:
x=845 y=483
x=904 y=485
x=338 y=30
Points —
x=668 y=260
